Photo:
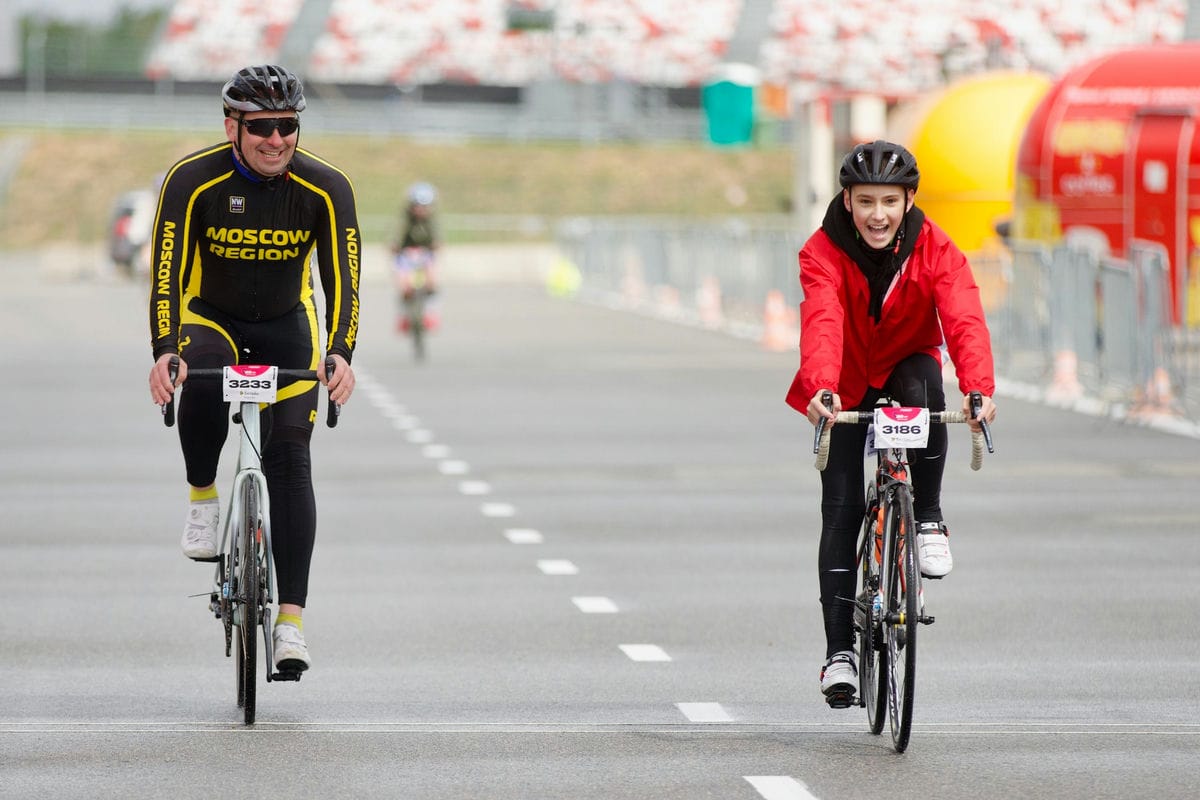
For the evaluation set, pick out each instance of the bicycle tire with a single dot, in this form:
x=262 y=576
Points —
x=900 y=559
x=416 y=322
x=872 y=663
x=249 y=586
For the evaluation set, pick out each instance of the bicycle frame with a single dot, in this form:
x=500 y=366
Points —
x=249 y=470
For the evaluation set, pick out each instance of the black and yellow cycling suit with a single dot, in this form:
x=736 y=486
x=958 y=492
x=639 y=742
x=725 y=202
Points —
x=232 y=283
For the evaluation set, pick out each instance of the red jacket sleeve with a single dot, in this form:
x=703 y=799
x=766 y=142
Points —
x=822 y=317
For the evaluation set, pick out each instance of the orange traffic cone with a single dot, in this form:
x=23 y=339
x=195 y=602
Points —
x=1066 y=387
x=708 y=302
x=779 y=324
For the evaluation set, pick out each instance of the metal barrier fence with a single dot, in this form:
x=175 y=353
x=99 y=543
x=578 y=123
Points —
x=1074 y=326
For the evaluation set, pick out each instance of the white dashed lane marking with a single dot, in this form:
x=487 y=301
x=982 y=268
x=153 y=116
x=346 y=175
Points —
x=780 y=787
x=644 y=652
x=704 y=712
x=523 y=536
x=435 y=451
x=453 y=467
x=475 y=487
x=498 y=510
x=595 y=605
x=557 y=566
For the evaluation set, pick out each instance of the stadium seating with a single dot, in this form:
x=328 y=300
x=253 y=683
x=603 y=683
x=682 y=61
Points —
x=209 y=39
x=904 y=46
x=897 y=48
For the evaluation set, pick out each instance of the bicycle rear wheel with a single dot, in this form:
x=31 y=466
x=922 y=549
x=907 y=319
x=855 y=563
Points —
x=903 y=613
x=415 y=306
x=250 y=595
x=872 y=663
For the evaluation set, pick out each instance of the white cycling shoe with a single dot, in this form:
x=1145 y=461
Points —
x=839 y=679
x=934 y=545
x=291 y=653
x=200 y=531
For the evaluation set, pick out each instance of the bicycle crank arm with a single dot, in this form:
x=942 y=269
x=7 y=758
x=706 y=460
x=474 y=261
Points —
x=925 y=619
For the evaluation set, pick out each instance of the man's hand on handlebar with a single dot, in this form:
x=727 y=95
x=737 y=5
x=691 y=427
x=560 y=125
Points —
x=161 y=387
x=341 y=382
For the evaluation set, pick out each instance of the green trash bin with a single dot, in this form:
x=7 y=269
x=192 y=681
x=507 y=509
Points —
x=728 y=102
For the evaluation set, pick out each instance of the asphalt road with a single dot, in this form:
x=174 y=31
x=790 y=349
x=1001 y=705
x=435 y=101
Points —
x=508 y=531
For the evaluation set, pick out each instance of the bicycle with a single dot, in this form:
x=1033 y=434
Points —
x=412 y=273
x=891 y=602
x=244 y=579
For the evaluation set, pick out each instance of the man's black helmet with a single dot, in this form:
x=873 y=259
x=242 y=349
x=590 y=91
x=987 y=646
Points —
x=879 y=162
x=263 y=88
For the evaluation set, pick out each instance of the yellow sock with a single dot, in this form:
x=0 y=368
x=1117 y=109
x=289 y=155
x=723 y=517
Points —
x=195 y=494
x=290 y=619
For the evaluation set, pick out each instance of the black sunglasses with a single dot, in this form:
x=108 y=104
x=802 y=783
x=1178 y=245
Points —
x=263 y=127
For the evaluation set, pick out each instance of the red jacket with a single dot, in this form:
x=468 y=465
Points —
x=842 y=348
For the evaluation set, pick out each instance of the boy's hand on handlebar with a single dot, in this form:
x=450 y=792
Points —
x=161 y=388
x=987 y=412
x=817 y=408
x=341 y=382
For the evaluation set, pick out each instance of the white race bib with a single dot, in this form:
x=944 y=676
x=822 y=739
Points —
x=899 y=426
x=249 y=383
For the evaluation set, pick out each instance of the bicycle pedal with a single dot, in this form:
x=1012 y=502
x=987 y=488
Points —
x=925 y=619
x=841 y=699
x=212 y=560
x=287 y=675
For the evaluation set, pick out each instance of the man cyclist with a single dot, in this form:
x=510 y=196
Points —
x=884 y=288
x=237 y=227
x=416 y=251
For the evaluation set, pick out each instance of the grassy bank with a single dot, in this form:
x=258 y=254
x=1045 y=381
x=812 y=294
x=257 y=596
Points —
x=65 y=184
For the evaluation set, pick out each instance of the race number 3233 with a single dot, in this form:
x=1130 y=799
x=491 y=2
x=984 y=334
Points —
x=250 y=383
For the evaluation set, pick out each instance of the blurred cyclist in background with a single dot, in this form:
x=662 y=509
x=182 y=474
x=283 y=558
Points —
x=237 y=228
x=884 y=289
x=416 y=253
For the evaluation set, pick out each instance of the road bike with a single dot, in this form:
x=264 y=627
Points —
x=244 y=579
x=890 y=604
x=412 y=273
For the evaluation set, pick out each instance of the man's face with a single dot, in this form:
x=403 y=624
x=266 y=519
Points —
x=267 y=155
x=878 y=211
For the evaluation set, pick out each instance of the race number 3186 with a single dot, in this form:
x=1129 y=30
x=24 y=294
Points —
x=900 y=426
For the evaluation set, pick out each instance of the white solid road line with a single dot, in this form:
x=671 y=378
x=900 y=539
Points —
x=704 y=712
x=595 y=605
x=780 y=787
x=644 y=652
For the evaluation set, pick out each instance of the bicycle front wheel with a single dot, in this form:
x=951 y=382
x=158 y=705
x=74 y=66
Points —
x=902 y=613
x=250 y=596
x=872 y=663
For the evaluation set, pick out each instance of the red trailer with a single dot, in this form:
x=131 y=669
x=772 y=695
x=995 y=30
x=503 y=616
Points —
x=1110 y=159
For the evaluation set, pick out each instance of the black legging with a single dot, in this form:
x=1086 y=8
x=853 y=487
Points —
x=916 y=381
x=286 y=426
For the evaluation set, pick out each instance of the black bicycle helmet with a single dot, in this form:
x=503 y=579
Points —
x=879 y=162
x=263 y=88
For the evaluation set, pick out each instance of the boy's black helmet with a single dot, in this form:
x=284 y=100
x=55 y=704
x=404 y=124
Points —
x=263 y=88
x=879 y=162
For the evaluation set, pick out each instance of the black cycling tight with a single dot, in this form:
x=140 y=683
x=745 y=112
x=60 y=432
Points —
x=208 y=339
x=916 y=381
